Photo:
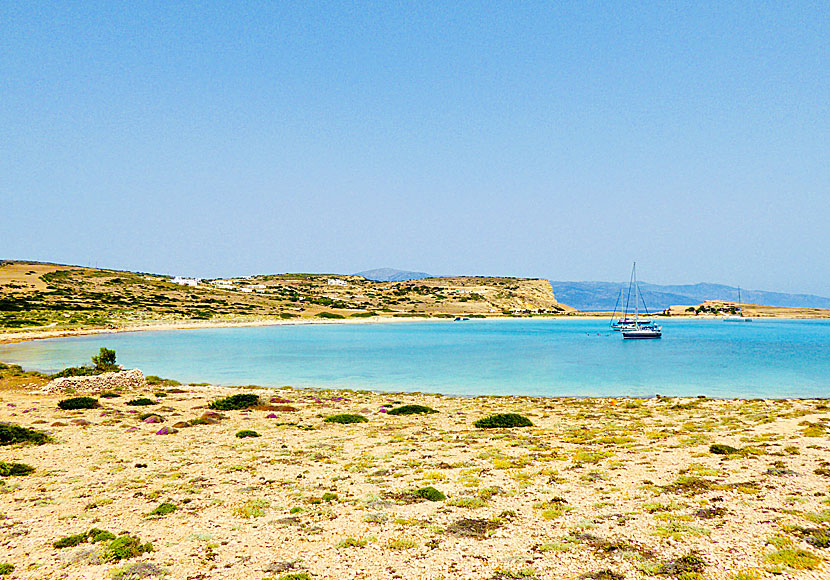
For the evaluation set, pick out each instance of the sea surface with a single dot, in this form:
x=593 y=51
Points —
x=539 y=357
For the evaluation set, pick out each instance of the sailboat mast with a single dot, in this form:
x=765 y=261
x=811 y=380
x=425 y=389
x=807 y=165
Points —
x=636 y=294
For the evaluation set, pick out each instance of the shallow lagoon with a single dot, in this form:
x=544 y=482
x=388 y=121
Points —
x=539 y=357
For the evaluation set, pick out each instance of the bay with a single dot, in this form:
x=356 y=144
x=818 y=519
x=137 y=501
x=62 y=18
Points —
x=770 y=358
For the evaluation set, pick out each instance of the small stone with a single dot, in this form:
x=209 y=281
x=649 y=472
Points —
x=81 y=422
x=271 y=416
x=166 y=431
x=58 y=424
x=153 y=419
x=182 y=425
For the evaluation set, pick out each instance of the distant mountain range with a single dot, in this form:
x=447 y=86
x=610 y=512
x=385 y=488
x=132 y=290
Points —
x=392 y=275
x=602 y=296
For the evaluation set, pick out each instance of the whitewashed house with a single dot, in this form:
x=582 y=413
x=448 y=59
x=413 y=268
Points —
x=194 y=282
x=336 y=282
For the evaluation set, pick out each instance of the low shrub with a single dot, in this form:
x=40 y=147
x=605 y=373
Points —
x=6 y=568
x=109 y=395
x=329 y=315
x=412 y=410
x=722 y=449
x=346 y=418
x=11 y=434
x=503 y=420
x=143 y=416
x=685 y=566
x=10 y=469
x=156 y=380
x=94 y=535
x=163 y=509
x=141 y=402
x=78 y=403
x=430 y=493
x=123 y=547
x=246 y=433
x=235 y=402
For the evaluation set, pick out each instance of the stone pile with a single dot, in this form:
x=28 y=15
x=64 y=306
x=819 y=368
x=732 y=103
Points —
x=118 y=381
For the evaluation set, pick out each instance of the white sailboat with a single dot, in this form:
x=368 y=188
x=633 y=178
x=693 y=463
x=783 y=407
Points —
x=739 y=315
x=639 y=328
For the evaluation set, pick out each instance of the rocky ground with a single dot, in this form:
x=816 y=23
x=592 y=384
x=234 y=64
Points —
x=596 y=488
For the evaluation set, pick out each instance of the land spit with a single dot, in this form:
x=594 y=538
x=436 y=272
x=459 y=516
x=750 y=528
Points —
x=596 y=488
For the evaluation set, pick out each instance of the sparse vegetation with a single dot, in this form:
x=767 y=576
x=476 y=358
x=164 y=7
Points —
x=346 y=418
x=245 y=433
x=142 y=402
x=235 y=402
x=163 y=509
x=411 y=410
x=503 y=421
x=12 y=469
x=75 y=403
x=429 y=493
x=12 y=434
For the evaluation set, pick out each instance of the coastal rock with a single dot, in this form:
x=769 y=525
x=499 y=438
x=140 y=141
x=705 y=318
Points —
x=121 y=380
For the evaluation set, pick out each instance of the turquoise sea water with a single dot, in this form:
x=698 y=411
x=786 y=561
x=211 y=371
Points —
x=541 y=357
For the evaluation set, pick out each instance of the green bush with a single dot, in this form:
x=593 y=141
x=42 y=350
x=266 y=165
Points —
x=9 y=469
x=235 y=402
x=69 y=541
x=722 y=449
x=412 y=410
x=78 y=403
x=109 y=395
x=104 y=361
x=246 y=433
x=163 y=509
x=328 y=315
x=94 y=535
x=123 y=547
x=430 y=493
x=346 y=418
x=76 y=372
x=156 y=380
x=6 y=568
x=143 y=416
x=503 y=420
x=141 y=402
x=11 y=434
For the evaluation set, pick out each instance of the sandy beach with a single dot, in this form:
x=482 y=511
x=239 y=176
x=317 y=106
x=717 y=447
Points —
x=596 y=488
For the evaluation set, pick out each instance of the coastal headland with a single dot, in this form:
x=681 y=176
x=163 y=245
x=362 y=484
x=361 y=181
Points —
x=615 y=488
x=39 y=300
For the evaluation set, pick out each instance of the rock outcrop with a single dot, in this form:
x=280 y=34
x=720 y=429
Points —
x=118 y=381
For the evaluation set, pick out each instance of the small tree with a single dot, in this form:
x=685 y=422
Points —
x=105 y=360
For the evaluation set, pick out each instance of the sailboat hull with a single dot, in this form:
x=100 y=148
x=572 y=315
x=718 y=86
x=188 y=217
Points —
x=642 y=334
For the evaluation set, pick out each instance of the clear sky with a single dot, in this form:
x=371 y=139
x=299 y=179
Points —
x=555 y=139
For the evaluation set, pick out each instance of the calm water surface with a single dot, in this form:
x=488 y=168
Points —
x=542 y=357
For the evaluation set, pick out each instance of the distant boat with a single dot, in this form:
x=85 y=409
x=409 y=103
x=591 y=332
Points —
x=637 y=327
x=739 y=315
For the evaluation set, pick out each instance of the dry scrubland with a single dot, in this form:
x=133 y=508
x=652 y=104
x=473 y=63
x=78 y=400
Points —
x=53 y=298
x=596 y=488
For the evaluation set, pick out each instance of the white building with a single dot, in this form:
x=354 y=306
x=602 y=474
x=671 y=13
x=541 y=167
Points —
x=194 y=282
x=336 y=282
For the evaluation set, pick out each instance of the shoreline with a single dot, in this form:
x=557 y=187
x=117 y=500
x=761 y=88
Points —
x=32 y=333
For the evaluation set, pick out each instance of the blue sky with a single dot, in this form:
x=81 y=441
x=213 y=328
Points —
x=558 y=140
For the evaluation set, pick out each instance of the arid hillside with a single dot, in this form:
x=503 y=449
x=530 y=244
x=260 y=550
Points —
x=67 y=297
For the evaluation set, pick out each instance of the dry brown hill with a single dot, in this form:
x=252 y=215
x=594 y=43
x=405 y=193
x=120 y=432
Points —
x=68 y=297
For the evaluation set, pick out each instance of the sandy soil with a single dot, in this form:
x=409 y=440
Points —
x=596 y=487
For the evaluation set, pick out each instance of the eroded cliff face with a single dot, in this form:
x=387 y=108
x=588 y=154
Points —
x=490 y=295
